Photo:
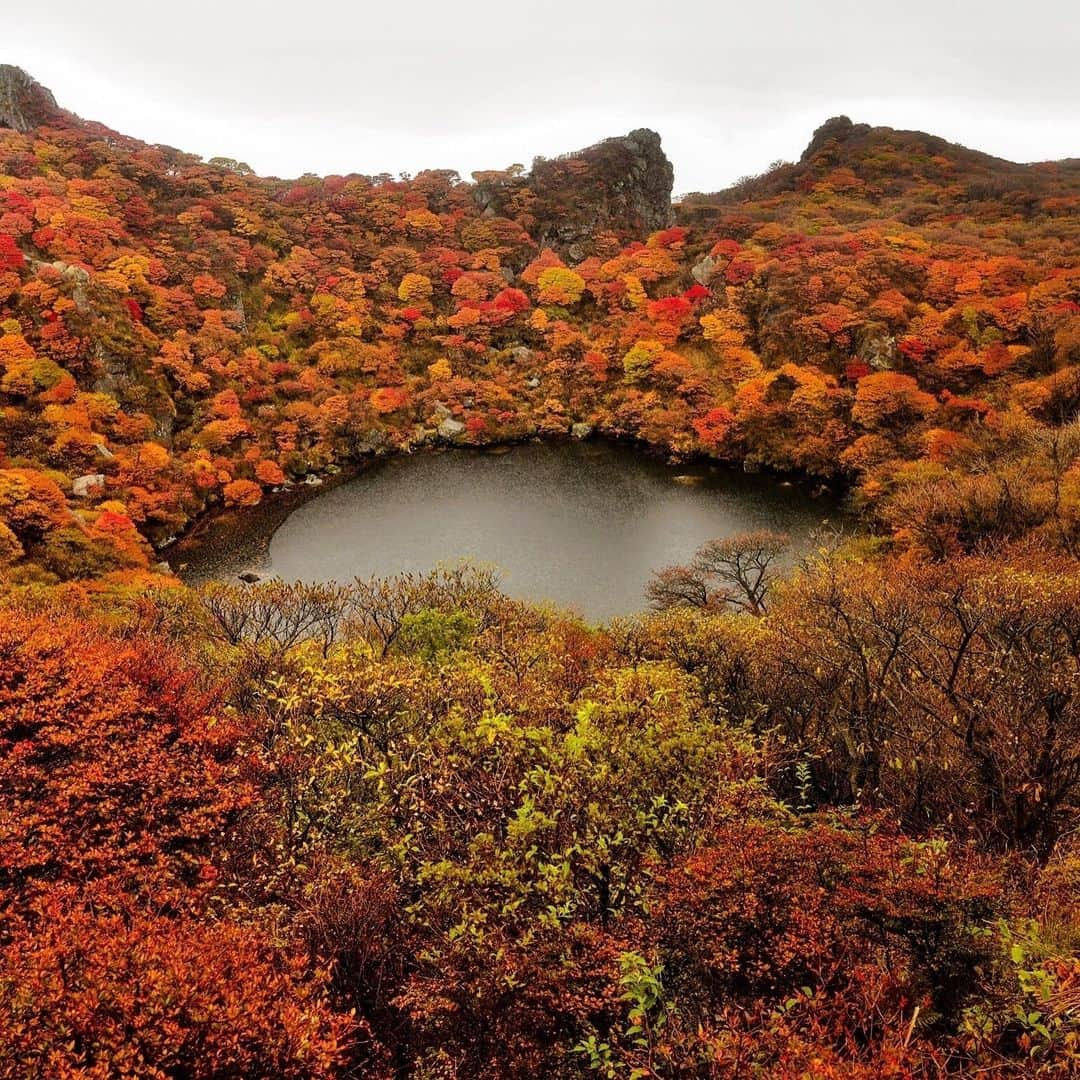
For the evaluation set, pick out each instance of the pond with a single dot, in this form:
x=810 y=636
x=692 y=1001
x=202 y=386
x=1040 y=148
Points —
x=580 y=524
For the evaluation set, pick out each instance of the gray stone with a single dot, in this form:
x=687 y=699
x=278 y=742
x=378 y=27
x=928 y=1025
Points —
x=313 y=481
x=703 y=271
x=879 y=352
x=621 y=185
x=369 y=442
x=581 y=431
x=451 y=429
x=82 y=487
x=533 y=383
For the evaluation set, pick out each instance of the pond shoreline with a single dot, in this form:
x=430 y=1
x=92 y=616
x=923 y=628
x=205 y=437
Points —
x=572 y=521
x=277 y=505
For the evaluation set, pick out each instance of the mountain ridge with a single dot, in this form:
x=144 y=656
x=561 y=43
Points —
x=26 y=104
x=621 y=184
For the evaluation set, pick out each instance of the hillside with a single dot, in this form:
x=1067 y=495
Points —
x=189 y=332
x=884 y=163
x=814 y=824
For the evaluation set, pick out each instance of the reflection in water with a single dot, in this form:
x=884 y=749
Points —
x=582 y=525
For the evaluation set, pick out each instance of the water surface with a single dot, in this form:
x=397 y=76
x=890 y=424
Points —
x=579 y=524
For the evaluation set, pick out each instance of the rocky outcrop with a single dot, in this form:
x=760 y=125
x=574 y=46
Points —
x=24 y=103
x=836 y=129
x=451 y=430
x=703 y=271
x=620 y=186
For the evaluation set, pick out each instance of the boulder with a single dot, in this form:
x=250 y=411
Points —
x=372 y=441
x=82 y=487
x=581 y=431
x=703 y=271
x=451 y=429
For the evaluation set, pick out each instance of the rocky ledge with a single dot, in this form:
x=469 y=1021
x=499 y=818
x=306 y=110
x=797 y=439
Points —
x=621 y=186
x=24 y=102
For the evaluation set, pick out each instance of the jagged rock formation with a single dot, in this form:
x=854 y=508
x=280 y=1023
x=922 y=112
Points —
x=620 y=186
x=24 y=102
x=838 y=129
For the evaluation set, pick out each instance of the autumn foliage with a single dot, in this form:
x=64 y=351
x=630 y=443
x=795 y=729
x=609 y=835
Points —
x=799 y=820
x=120 y=780
x=208 y=337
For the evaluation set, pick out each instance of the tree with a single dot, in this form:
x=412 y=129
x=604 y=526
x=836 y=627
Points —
x=154 y=996
x=559 y=285
x=414 y=288
x=735 y=572
x=242 y=493
x=890 y=401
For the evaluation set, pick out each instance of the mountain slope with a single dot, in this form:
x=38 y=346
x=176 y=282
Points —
x=180 y=334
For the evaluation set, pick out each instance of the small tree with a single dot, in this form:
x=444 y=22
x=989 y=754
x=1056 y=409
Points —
x=677 y=586
x=275 y=612
x=735 y=572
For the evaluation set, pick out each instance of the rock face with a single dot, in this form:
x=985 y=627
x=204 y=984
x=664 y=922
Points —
x=620 y=186
x=24 y=103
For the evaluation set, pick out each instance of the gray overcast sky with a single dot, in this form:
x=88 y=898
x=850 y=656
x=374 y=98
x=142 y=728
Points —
x=333 y=87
